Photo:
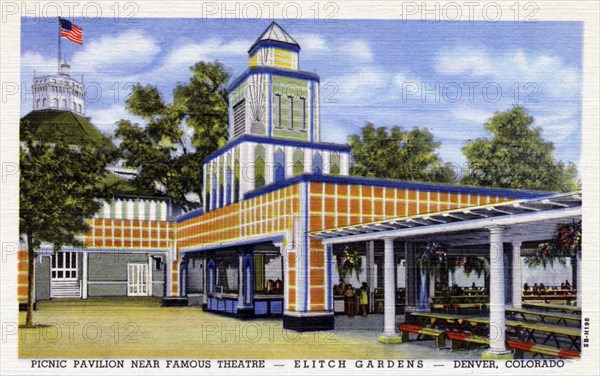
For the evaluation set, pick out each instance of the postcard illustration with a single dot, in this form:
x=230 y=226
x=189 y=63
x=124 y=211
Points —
x=220 y=191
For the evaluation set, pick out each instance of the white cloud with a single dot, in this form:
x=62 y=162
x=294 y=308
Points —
x=358 y=49
x=186 y=55
x=464 y=61
x=536 y=73
x=105 y=118
x=132 y=47
x=474 y=114
x=311 y=42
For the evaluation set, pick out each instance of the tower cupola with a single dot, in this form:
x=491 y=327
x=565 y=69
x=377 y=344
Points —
x=59 y=92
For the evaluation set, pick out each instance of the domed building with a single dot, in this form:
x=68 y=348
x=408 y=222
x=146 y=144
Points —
x=58 y=115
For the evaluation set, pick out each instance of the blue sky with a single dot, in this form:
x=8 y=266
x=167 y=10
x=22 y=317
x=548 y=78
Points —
x=448 y=77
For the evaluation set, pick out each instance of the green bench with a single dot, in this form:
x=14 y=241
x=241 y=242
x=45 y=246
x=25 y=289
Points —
x=438 y=335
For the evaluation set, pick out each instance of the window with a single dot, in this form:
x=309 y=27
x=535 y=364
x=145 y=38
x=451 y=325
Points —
x=228 y=183
x=279 y=165
x=302 y=113
x=239 y=118
x=334 y=164
x=298 y=161
x=236 y=180
x=259 y=166
x=277 y=110
x=317 y=164
x=291 y=124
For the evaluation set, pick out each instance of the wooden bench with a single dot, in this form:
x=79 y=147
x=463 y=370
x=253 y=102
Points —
x=521 y=346
x=559 y=317
x=554 y=307
x=438 y=335
x=460 y=306
x=458 y=338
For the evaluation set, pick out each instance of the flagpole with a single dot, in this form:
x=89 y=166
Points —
x=58 y=67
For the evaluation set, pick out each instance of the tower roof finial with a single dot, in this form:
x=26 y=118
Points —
x=275 y=33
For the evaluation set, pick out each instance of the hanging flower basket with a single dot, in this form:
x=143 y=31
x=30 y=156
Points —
x=349 y=261
x=434 y=259
x=565 y=243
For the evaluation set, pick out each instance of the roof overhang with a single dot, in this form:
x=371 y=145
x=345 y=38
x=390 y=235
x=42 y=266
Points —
x=527 y=219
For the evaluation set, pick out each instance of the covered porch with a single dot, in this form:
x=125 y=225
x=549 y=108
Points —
x=499 y=229
x=245 y=280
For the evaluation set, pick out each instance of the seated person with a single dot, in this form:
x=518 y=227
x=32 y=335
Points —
x=270 y=286
x=339 y=289
x=278 y=288
x=525 y=287
x=542 y=287
x=567 y=285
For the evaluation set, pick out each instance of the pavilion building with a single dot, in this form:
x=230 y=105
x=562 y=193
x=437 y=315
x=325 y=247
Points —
x=279 y=204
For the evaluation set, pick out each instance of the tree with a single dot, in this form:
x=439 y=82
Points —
x=398 y=154
x=60 y=187
x=516 y=156
x=169 y=149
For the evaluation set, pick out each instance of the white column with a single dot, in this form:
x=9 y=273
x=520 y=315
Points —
x=308 y=156
x=579 y=280
x=371 y=273
x=344 y=164
x=289 y=161
x=497 y=319
x=269 y=163
x=389 y=289
x=326 y=156
x=84 y=275
x=150 y=275
x=517 y=282
x=169 y=266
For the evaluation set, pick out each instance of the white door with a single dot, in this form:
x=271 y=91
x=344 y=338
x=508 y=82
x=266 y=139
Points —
x=64 y=282
x=138 y=280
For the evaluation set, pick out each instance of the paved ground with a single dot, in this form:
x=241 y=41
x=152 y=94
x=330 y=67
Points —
x=141 y=328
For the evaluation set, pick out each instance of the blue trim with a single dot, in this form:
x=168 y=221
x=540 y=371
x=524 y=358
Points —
x=356 y=180
x=272 y=70
x=278 y=142
x=274 y=239
x=248 y=267
x=189 y=215
x=329 y=257
x=266 y=43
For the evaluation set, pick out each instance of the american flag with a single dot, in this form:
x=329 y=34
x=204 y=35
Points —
x=71 y=31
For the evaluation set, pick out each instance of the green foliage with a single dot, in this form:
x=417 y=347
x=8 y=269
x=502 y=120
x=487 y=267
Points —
x=516 y=156
x=349 y=261
x=565 y=243
x=398 y=154
x=169 y=149
x=434 y=260
x=60 y=187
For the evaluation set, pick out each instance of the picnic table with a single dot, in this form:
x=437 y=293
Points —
x=460 y=299
x=547 y=330
x=543 y=315
x=478 y=325
x=452 y=323
x=554 y=307
x=550 y=297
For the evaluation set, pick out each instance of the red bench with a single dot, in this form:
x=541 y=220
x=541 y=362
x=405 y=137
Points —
x=438 y=335
x=518 y=346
